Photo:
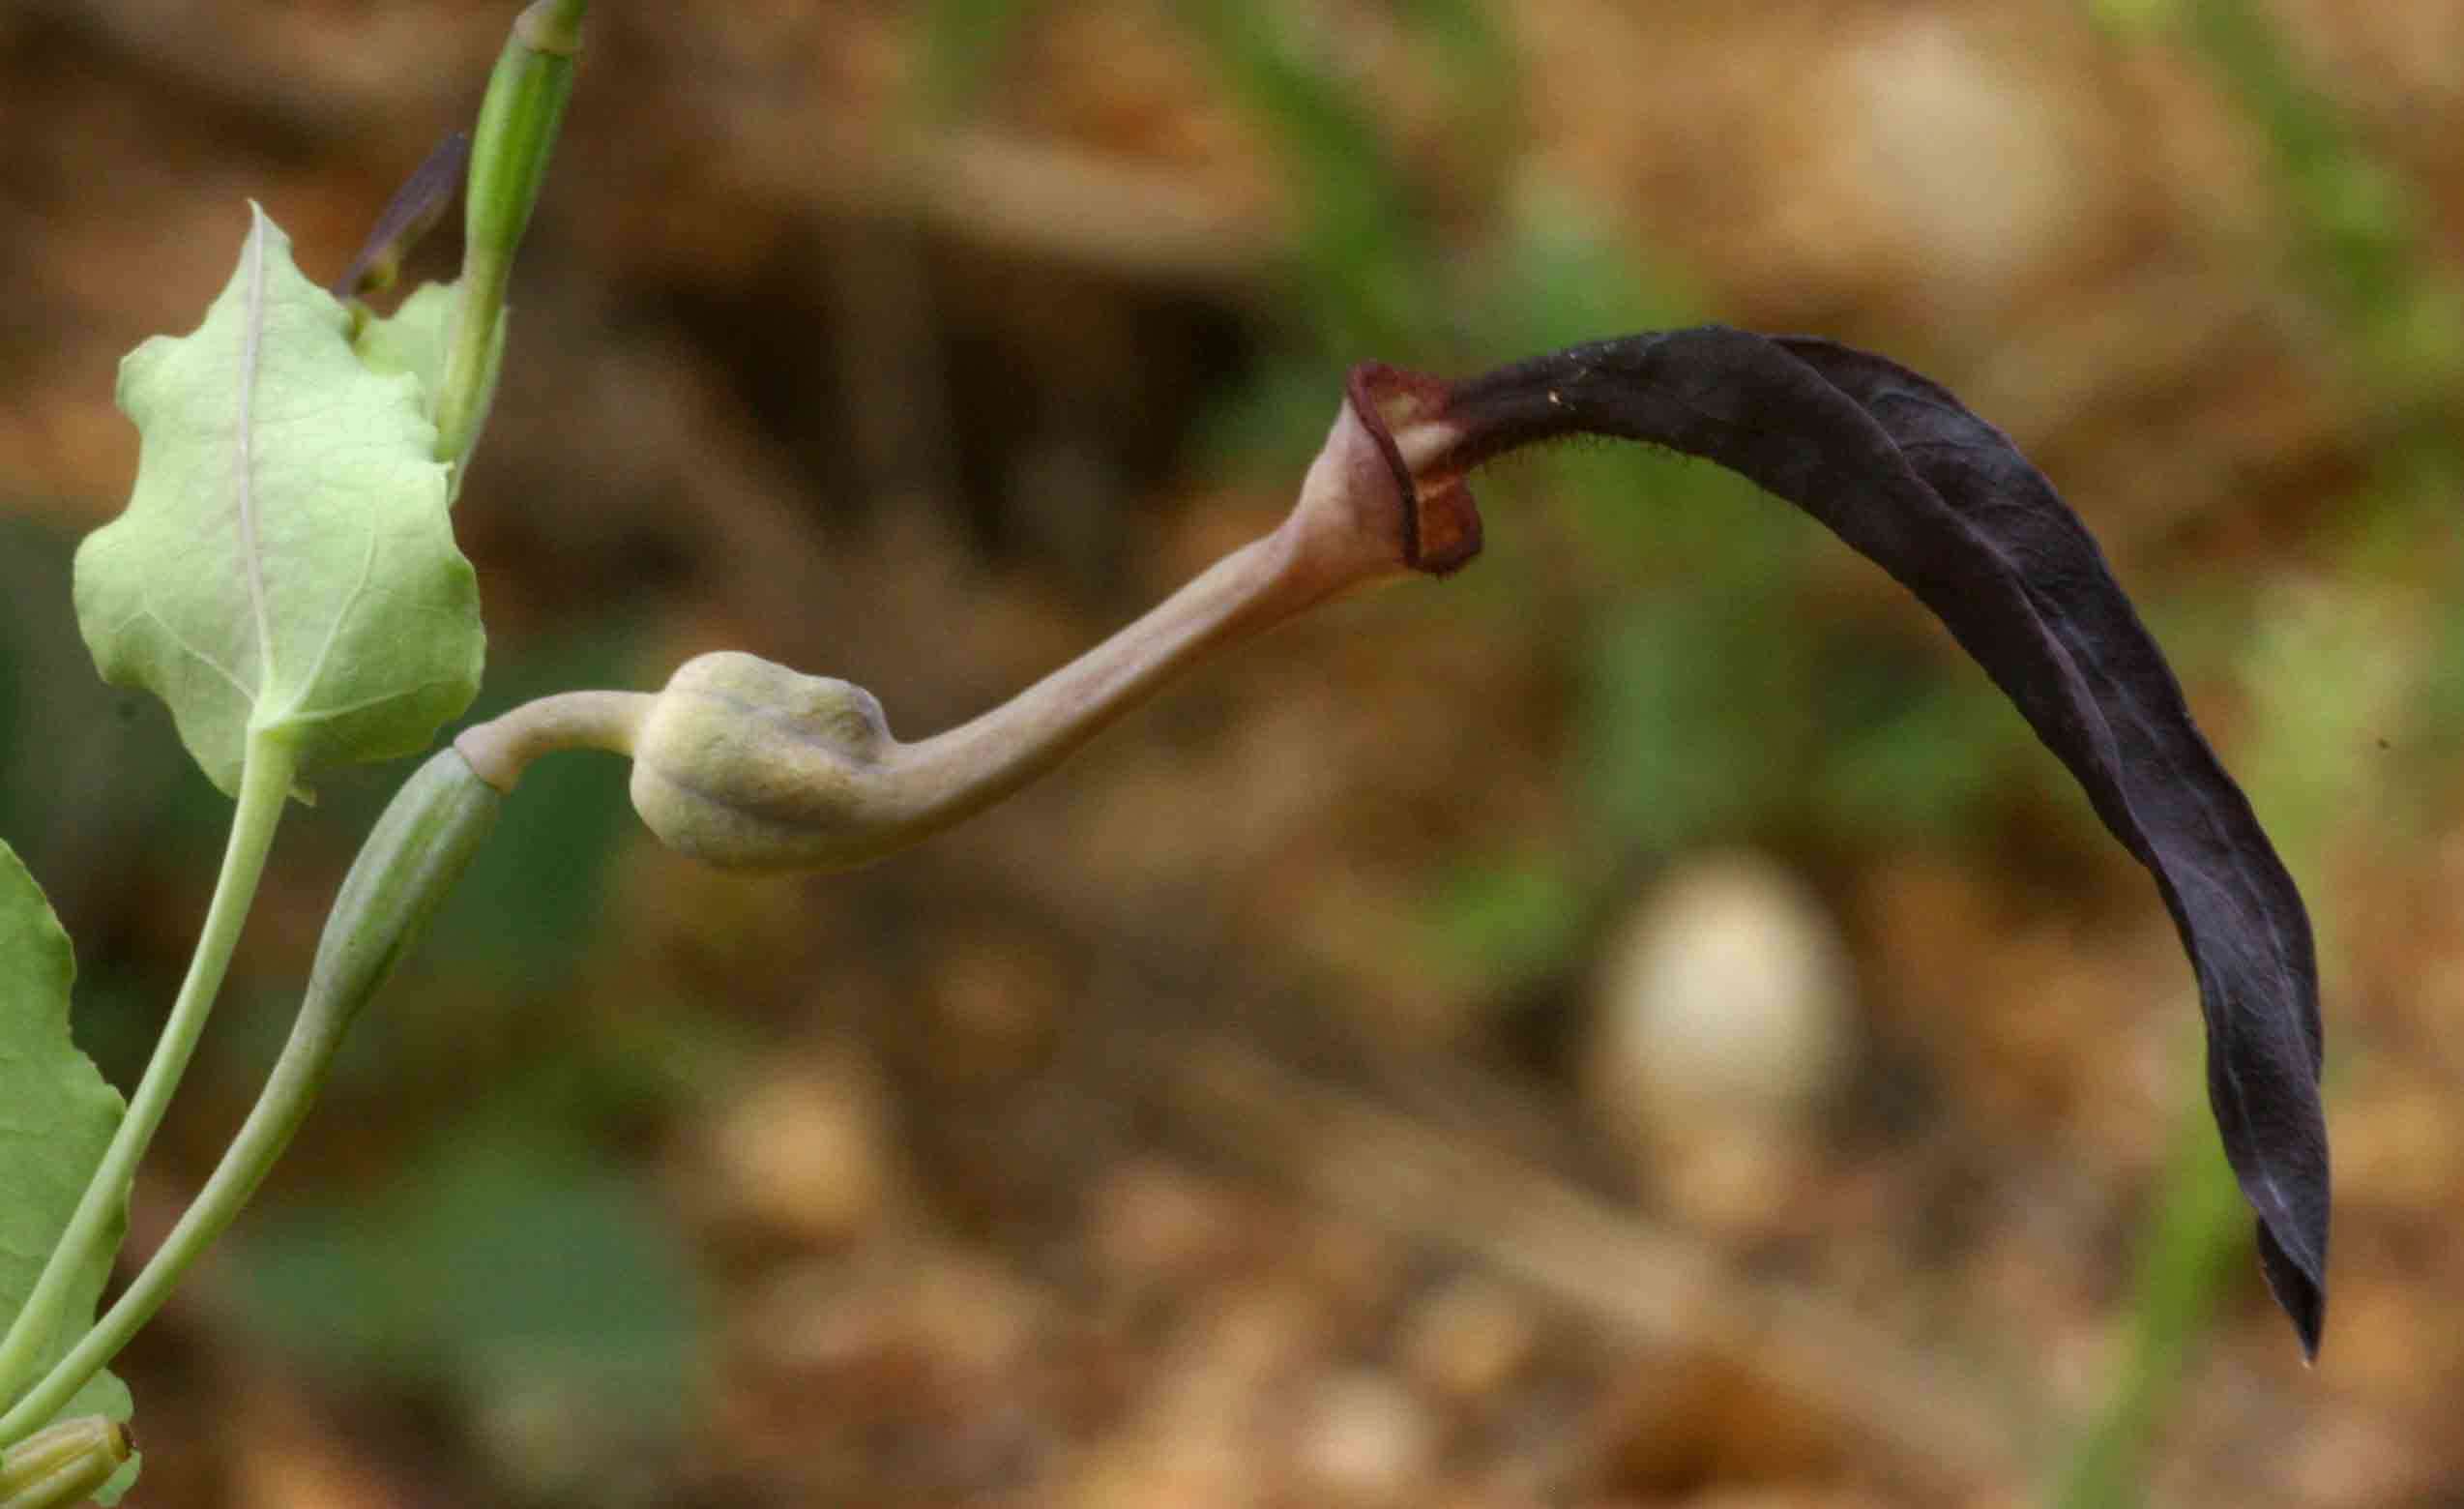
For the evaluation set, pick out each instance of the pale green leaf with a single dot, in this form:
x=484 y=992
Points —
x=285 y=563
x=413 y=339
x=56 y=1118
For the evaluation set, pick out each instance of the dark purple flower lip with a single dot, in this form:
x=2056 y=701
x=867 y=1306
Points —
x=1904 y=473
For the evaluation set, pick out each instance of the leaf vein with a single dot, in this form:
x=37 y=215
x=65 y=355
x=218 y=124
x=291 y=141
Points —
x=181 y=643
x=399 y=695
x=252 y=329
x=333 y=630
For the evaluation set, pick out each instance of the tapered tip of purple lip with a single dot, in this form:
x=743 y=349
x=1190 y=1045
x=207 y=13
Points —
x=2297 y=1289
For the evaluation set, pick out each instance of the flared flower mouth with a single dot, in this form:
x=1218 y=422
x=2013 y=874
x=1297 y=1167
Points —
x=1440 y=521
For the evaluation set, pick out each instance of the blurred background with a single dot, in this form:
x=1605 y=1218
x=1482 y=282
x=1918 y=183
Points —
x=1637 y=1023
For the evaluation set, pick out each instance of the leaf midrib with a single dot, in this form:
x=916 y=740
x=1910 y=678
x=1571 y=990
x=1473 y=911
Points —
x=252 y=327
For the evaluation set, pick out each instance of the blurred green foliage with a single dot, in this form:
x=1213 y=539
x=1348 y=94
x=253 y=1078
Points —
x=531 y=899
x=963 y=41
x=533 y=1282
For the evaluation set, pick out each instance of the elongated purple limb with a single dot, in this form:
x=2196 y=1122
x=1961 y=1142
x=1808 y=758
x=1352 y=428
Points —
x=1899 y=470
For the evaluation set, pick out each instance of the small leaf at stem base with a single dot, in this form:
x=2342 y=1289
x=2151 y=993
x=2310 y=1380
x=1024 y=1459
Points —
x=56 y=1118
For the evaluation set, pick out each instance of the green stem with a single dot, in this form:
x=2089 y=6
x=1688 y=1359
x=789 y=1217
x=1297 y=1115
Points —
x=266 y=770
x=411 y=859
x=501 y=748
x=517 y=124
x=462 y=397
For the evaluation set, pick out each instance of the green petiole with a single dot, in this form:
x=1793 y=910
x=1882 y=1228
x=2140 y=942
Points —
x=411 y=859
x=266 y=769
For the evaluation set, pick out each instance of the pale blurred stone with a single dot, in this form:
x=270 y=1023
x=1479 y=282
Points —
x=1778 y=1496
x=994 y=1001
x=1355 y=1270
x=1364 y=1442
x=1723 y=1021
x=803 y=1154
x=904 y=1329
x=2351 y=1462
x=1200 y=1423
x=1468 y=1340
x=1155 y=1224
x=972 y=1315
x=815 y=1322
x=1962 y=158
x=288 y=1454
x=1140 y=1474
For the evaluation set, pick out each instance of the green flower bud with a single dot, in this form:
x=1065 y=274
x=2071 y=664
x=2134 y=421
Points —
x=517 y=124
x=750 y=765
x=518 y=119
x=64 y=1465
x=404 y=870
